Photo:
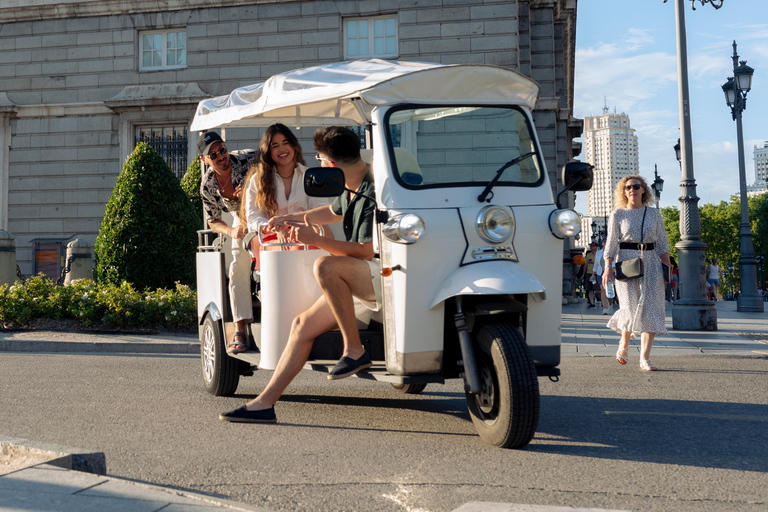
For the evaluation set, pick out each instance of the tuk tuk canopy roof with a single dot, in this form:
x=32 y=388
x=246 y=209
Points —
x=345 y=93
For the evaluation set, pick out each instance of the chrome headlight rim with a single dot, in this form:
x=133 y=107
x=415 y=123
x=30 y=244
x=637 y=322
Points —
x=490 y=219
x=564 y=223
x=405 y=228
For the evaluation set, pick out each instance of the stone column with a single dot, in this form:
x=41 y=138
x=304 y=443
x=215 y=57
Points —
x=81 y=266
x=7 y=258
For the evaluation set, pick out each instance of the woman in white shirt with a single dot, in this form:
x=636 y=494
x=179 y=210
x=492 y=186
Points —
x=275 y=186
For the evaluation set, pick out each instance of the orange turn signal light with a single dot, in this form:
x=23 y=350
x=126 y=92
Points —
x=387 y=271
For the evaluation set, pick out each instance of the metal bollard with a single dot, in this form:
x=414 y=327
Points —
x=79 y=261
x=7 y=258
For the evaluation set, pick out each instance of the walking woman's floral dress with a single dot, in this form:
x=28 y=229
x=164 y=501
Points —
x=624 y=226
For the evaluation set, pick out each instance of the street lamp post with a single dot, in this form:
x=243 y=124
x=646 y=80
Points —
x=693 y=312
x=736 y=89
x=657 y=185
x=760 y=259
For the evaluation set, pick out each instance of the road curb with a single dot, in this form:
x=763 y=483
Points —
x=65 y=457
x=99 y=347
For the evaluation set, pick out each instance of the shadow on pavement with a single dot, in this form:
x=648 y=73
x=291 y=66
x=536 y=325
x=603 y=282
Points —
x=703 y=434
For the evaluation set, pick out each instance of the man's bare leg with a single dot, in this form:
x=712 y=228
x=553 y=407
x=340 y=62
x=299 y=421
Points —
x=341 y=278
x=318 y=319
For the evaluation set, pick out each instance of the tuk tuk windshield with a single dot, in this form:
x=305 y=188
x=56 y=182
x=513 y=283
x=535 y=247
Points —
x=461 y=146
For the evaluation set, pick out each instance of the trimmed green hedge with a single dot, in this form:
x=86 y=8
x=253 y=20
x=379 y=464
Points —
x=190 y=183
x=148 y=235
x=98 y=304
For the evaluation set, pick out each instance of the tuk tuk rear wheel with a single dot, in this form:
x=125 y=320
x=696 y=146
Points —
x=410 y=389
x=220 y=372
x=506 y=411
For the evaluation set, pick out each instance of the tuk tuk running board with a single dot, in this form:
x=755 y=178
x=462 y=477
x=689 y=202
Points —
x=377 y=372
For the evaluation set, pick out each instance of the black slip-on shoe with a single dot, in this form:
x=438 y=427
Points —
x=243 y=415
x=348 y=366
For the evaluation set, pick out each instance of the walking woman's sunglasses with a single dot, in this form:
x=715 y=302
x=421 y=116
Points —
x=635 y=186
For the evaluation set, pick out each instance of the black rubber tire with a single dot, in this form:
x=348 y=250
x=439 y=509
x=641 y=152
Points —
x=220 y=372
x=506 y=412
x=410 y=389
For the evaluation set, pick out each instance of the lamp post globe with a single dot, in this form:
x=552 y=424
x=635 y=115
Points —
x=677 y=150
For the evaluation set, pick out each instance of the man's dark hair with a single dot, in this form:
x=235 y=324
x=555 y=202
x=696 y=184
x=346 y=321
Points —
x=340 y=144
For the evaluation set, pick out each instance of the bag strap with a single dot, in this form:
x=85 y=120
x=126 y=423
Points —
x=642 y=228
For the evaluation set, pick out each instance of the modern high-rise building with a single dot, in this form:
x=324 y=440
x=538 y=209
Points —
x=610 y=145
x=760 y=185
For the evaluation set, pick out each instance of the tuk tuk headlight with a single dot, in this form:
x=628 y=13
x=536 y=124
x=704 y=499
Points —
x=495 y=224
x=405 y=228
x=564 y=223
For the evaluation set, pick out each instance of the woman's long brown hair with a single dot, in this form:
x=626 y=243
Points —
x=263 y=172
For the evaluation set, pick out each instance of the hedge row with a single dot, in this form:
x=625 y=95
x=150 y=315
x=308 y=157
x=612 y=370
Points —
x=96 y=304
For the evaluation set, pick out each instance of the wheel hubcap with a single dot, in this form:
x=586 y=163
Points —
x=487 y=395
x=209 y=354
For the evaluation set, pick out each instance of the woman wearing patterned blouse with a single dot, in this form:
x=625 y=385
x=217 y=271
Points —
x=642 y=309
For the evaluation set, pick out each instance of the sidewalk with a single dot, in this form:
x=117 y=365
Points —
x=584 y=334
x=37 y=482
x=57 y=341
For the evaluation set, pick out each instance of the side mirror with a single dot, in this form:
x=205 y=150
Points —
x=577 y=176
x=324 y=182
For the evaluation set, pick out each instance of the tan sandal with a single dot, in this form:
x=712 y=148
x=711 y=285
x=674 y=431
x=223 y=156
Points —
x=645 y=365
x=622 y=356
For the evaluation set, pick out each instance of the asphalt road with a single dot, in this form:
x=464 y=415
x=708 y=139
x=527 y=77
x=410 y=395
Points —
x=692 y=437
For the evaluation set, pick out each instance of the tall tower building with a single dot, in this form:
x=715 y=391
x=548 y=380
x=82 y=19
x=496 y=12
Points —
x=761 y=170
x=610 y=145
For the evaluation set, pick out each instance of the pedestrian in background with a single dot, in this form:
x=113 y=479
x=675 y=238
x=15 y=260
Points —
x=713 y=277
x=588 y=276
x=599 y=268
x=634 y=230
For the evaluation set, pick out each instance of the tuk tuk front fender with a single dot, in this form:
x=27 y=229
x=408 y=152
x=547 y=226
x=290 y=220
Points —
x=488 y=278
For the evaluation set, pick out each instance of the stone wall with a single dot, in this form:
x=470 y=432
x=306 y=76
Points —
x=71 y=94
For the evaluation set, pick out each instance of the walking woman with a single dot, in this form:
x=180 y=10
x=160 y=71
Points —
x=641 y=299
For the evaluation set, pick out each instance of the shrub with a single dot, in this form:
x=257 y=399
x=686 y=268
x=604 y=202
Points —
x=147 y=237
x=98 y=304
x=190 y=183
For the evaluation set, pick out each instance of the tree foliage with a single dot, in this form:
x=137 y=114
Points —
x=148 y=235
x=721 y=229
x=671 y=216
x=190 y=183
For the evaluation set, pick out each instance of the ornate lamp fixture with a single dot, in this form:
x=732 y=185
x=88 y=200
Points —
x=714 y=3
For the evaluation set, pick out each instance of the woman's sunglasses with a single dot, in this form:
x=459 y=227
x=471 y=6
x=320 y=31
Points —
x=635 y=186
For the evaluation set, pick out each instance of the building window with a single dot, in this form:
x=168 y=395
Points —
x=162 y=50
x=370 y=37
x=170 y=142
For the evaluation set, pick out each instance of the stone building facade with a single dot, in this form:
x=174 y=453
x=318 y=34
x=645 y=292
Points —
x=82 y=81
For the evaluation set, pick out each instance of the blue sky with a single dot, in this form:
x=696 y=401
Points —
x=626 y=53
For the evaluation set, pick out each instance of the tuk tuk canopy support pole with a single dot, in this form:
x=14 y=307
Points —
x=471 y=377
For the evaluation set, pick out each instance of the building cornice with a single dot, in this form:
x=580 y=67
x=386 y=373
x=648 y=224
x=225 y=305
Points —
x=30 y=10
x=143 y=96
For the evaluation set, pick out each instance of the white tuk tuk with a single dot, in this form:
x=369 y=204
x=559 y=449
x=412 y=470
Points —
x=469 y=235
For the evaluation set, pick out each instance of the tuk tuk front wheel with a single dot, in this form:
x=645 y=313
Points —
x=410 y=389
x=220 y=372
x=506 y=411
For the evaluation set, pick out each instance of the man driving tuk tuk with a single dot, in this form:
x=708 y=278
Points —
x=348 y=275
